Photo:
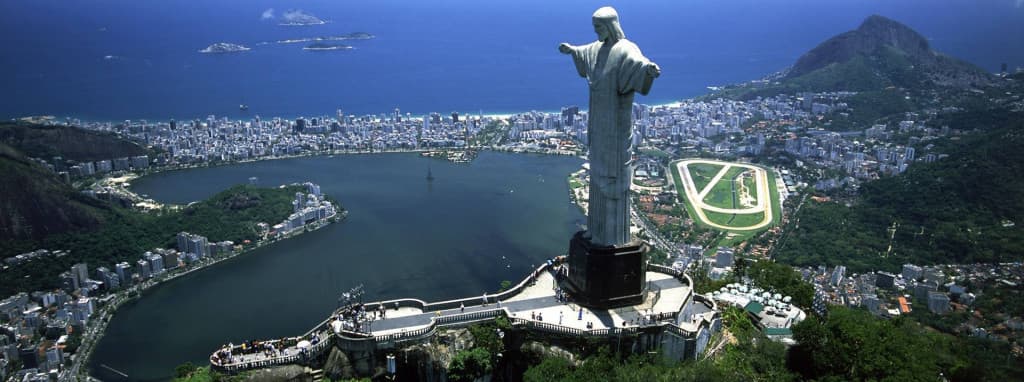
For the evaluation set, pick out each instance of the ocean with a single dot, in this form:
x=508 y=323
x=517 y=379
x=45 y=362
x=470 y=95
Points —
x=111 y=60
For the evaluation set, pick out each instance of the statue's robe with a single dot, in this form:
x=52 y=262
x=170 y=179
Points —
x=614 y=70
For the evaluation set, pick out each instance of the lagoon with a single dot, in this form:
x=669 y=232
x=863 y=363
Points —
x=463 y=233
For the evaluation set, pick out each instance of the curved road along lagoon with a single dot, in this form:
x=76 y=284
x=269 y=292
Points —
x=475 y=225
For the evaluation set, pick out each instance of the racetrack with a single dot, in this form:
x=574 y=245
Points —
x=697 y=198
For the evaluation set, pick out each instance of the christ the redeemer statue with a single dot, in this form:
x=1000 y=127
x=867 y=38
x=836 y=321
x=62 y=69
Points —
x=615 y=69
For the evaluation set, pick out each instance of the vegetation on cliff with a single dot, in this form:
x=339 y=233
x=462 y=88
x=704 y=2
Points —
x=68 y=142
x=34 y=203
x=850 y=344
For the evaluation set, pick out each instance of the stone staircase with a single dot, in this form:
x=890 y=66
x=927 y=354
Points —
x=317 y=375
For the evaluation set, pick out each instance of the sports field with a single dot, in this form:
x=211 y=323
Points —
x=725 y=195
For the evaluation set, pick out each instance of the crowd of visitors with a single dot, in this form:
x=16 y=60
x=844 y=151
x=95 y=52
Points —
x=259 y=350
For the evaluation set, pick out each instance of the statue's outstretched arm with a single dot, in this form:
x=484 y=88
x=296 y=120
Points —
x=581 y=63
x=653 y=70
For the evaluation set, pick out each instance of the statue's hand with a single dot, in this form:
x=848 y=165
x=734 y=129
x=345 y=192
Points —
x=565 y=48
x=653 y=70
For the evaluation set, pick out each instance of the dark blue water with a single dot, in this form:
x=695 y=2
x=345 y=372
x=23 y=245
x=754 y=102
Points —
x=461 y=55
x=462 y=234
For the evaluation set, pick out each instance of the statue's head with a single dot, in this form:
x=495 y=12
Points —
x=606 y=24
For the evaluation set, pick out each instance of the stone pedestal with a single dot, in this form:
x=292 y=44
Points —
x=605 y=277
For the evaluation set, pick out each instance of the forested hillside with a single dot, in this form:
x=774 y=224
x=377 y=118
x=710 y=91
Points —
x=966 y=208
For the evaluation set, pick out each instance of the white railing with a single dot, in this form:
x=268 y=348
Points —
x=660 y=322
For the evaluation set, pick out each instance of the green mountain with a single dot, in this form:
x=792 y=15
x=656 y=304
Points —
x=874 y=34
x=34 y=203
x=880 y=54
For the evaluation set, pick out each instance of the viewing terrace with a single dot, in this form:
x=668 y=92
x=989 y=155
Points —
x=536 y=303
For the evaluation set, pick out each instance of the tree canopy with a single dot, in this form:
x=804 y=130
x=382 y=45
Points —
x=950 y=211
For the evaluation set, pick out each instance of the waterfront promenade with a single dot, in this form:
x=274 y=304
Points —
x=533 y=304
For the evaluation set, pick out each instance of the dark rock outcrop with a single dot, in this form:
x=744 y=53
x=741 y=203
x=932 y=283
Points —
x=338 y=366
x=288 y=373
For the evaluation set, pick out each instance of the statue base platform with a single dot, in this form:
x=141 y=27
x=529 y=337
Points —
x=603 y=276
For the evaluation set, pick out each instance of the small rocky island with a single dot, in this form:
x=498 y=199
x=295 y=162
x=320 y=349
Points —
x=299 y=18
x=325 y=46
x=356 y=36
x=225 y=47
x=343 y=37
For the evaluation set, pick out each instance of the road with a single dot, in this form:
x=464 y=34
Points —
x=653 y=234
x=97 y=324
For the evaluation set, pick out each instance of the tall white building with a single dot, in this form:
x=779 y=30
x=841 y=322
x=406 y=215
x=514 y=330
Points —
x=837 y=275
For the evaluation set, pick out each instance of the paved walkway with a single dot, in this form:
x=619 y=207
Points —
x=666 y=295
x=540 y=299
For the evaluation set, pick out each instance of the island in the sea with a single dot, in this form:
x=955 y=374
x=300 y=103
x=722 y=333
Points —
x=225 y=47
x=343 y=37
x=299 y=18
x=323 y=46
